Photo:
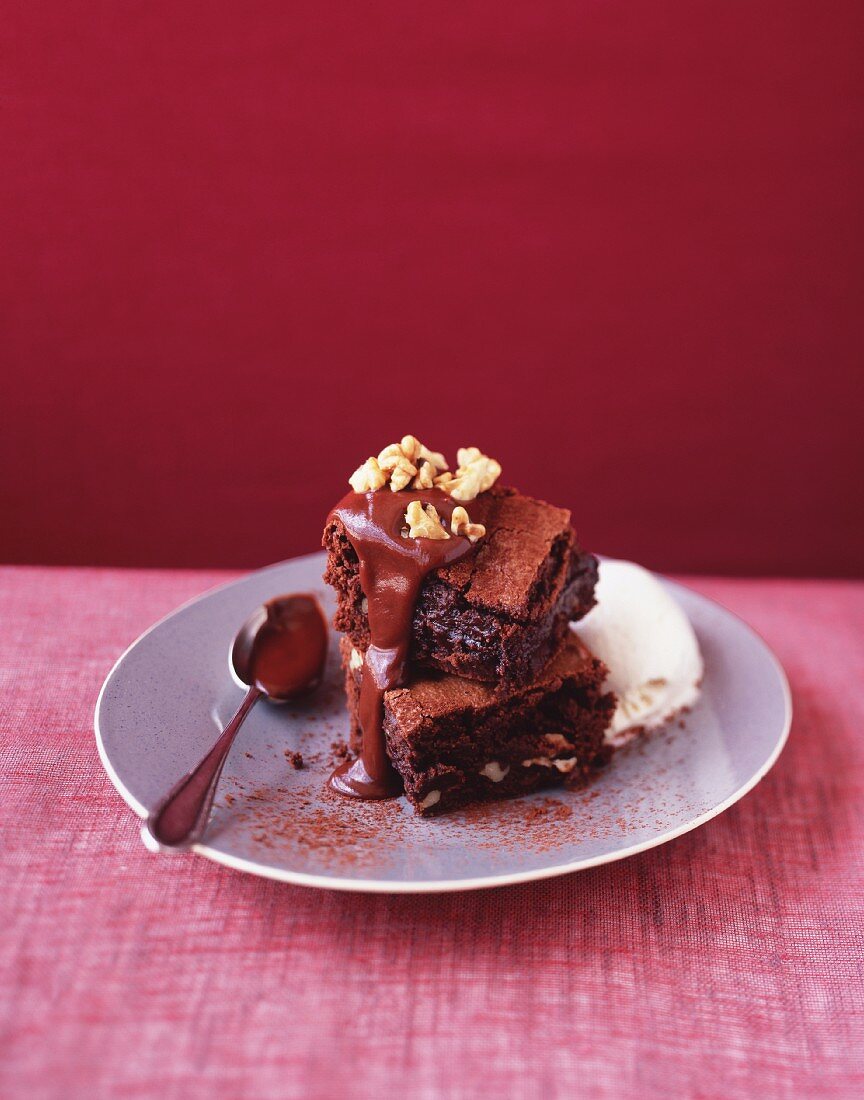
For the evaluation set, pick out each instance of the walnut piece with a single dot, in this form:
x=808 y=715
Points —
x=409 y=464
x=557 y=743
x=431 y=799
x=391 y=456
x=415 y=452
x=355 y=661
x=495 y=771
x=475 y=473
x=563 y=765
x=425 y=478
x=460 y=524
x=424 y=523
x=402 y=475
x=368 y=477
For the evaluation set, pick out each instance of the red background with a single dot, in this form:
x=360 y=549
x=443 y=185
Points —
x=617 y=245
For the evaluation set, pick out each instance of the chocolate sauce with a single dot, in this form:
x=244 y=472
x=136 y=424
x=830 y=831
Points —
x=279 y=652
x=282 y=648
x=392 y=570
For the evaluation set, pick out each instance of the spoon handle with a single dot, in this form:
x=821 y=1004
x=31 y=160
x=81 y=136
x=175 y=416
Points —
x=181 y=817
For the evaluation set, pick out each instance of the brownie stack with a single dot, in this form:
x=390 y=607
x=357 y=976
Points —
x=502 y=697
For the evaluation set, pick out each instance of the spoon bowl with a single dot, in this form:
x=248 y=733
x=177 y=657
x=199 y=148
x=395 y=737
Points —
x=281 y=649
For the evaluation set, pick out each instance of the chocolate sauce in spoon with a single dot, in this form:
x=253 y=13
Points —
x=392 y=570
x=279 y=652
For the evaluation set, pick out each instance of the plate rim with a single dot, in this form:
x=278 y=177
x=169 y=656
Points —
x=441 y=886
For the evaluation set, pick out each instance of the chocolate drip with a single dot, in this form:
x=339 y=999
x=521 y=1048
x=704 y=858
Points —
x=392 y=570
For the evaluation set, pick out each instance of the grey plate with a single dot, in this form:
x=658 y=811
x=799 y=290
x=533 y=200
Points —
x=171 y=692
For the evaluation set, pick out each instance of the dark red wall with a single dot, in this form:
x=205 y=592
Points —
x=617 y=245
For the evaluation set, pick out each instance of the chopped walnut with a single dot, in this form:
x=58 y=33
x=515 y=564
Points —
x=475 y=473
x=409 y=464
x=466 y=455
x=368 y=477
x=424 y=523
x=460 y=524
x=394 y=457
x=403 y=474
x=557 y=743
x=415 y=452
x=425 y=478
x=563 y=765
x=495 y=771
x=431 y=799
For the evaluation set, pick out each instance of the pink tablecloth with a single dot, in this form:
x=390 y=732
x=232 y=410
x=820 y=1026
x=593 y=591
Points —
x=728 y=963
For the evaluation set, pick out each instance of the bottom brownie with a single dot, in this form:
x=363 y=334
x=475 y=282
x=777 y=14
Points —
x=456 y=741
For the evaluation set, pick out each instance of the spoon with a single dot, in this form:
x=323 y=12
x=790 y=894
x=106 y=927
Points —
x=279 y=654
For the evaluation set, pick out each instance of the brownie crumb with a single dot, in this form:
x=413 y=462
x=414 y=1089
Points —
x=339 y=749
x=295 y=759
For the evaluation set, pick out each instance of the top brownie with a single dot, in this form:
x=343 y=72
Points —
x=501 y=612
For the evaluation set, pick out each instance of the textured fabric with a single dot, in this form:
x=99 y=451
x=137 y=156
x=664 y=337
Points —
x=727 y=963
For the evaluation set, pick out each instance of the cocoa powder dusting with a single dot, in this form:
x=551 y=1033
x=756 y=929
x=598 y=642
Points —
x=302 y=824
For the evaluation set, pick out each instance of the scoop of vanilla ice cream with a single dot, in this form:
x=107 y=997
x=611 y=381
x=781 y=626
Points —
x=646 y=641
